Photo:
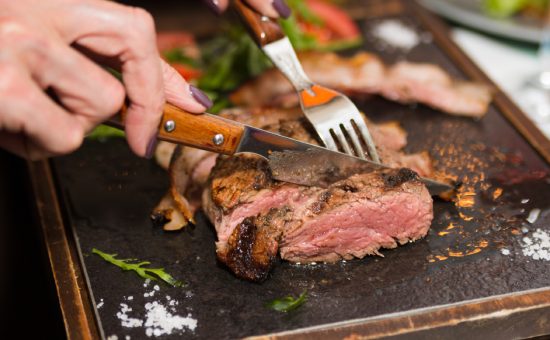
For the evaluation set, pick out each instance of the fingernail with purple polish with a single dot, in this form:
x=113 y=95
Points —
x=151 y=147
x=281 y=8
x=214 y=6
x=200 y=97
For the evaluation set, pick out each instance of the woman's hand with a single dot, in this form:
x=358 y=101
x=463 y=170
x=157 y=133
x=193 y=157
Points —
x=52 y=90
x=271 y=8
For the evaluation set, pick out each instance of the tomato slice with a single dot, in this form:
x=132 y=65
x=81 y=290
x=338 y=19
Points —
x=187 y=71
x=335 y=19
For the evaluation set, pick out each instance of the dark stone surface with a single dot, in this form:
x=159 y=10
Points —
x=108 y=194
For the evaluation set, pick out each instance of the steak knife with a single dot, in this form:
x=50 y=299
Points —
x=289 y=160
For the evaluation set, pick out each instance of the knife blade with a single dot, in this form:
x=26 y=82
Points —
x=290 y=160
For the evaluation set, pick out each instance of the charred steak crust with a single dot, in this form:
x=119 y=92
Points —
x=253 y=246
x=235 y=178
x=395 y=179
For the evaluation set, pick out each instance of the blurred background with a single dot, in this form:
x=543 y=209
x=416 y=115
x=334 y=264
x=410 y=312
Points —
x=508 y=39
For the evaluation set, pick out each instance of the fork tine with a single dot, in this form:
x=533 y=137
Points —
x=328 y=141
x=348 y=127
x=362 y=127
x=343 y=141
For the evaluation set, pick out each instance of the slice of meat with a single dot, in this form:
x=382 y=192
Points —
x=255 y=216
x=365 y=73
x=190 y=167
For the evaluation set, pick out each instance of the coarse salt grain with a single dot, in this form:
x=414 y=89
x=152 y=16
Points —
x=100 y=304
x=533 y=216
x=112 y=337
x=537 y=246
x=125 y=320
x=160 y=322
x=158 y=319
x=505 y=251
x=396 y=34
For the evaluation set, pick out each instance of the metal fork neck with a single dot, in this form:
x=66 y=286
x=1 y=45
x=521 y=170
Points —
x=282 y=54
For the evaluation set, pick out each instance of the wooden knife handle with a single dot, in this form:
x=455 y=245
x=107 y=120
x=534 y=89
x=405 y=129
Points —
x=264 y=30
x=202 y=131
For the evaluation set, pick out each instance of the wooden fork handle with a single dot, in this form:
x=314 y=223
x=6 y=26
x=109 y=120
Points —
x=202 y=131
x=263 y=29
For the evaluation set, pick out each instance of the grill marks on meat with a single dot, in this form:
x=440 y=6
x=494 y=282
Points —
x=364 y=73
x=351 y=218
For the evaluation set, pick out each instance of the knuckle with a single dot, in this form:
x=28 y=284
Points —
x=143 y=20
x=18 y=34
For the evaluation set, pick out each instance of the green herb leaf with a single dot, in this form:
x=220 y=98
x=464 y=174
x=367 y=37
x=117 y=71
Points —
x=176 y=55
x=139 y=269
x=104 y=132
x=287 y=303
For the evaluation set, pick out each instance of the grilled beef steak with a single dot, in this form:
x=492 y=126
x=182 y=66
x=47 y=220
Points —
x=364 y=74
x=257 y=218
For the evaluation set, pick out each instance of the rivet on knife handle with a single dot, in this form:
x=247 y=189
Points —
x=264 y=29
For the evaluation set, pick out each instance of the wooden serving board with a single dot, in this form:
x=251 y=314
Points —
x=454 y=283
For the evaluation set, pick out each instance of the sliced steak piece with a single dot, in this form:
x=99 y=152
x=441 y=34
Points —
x=364 y=73
x=351 y=218
x=190 y=167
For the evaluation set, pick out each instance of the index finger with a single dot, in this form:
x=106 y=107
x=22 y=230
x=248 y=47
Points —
x=127 y=33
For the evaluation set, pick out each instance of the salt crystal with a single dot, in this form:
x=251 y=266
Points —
x=525 y=200
x=127 y=321
x=160 y=322
x=537 y=246
x=168 y=297
x=505 y=251
x=533 y=216
x=156 y=287
x=396 y=34
x=112 y=337
x=524 y=230
x=130 y=298
x=146 y=283
x=100 y=304
x=145 y=294
x=127 y=337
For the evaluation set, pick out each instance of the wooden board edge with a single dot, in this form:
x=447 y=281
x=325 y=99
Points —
x=509 y=109
x=76 y=308
x=515 y=315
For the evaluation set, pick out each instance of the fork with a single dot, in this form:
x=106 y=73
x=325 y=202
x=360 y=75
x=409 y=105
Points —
x=333 y=115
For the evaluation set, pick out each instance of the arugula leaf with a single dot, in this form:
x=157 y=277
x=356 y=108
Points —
x=104 y=132
x=287 y=303
x=176 y=55
x=139 y=269
x=231 y=59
